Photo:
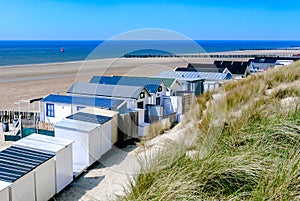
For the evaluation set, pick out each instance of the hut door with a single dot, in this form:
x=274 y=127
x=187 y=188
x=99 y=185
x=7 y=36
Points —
x=140 y=105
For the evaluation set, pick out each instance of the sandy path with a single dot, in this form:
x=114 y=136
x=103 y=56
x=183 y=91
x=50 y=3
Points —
x=106 y=179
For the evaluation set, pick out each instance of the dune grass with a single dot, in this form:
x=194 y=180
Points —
x=155 y=129
x=256 y=155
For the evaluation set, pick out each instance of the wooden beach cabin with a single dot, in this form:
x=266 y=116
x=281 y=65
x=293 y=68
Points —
x=92 y=136
x=213 y=80
x=30 y=173
x=156 y=87
x=55 y=108
x=190 y=81
x=135 y=96
x=61 y=148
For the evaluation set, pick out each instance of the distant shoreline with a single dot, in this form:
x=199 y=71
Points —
x=27 y=53
x=226 y=54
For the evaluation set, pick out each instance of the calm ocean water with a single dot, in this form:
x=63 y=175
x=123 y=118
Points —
x=35 y=52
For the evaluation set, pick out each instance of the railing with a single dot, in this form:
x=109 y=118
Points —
x=28 y=118
x=17 y=126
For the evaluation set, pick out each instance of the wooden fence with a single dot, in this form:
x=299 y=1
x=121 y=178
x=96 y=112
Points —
x=27 y=117
x=45 y=126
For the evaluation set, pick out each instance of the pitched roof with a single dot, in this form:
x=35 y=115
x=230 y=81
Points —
x=106 y=90
x=261 y=66
x=294 y=58
x=195 y=75
x=151 y=84
x=200 y=67
x=105 y=103
x=15 y=162
x=168 y=81
x=91 y=118
x=263 y=60
x=235 y=67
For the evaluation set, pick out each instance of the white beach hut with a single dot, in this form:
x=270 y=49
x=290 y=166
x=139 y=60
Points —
x=4 y=191
x=92 y=135
x=31 y=173
x=113 y=122
x=61 y=148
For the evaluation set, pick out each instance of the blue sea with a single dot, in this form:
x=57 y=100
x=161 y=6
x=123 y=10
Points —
x=36 y=52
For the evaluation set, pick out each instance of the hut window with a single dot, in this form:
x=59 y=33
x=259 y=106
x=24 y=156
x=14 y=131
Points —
x=140 y=105
x=80 y=108
x=142 y=95
x=49 y=110
x=158 y=101
x=159 y=88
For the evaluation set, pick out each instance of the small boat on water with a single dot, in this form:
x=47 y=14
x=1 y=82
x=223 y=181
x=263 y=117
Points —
x=62 y=49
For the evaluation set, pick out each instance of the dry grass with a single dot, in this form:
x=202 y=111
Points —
x=156 y=129
x=255 y=156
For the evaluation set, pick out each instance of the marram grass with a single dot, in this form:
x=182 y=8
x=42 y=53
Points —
x=256 y=156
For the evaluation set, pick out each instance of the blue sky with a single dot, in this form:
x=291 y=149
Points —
x=97 y=19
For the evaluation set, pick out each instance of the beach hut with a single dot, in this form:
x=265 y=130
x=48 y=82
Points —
x=61 y=148
x=92 y=137
x=55 y=108
x=190 y=81
x=31 y=173
x=107 y=113
x=155 y=86
x=136 y=96
x=4 y=191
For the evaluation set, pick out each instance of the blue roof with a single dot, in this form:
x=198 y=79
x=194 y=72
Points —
x=15 y=162
x=195 y=75
x=107 y=90
x=151 y=84
x=106 y=103
x=91 y=118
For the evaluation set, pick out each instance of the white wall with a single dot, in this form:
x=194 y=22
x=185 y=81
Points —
x=145 y=99
x=284 y=62
x=158 y=94
x=152 y=99
x=60 y=112
x=94 y=139
x=23 y=188
x=184 y=86
x=63 y=156
x=130 y=104
x=45 y=180
x=89 y=146
x=64 y=168
x=106 y=138
x=107 y=113
x=4 y=191
x=80 y=145
x=143 y=129
x=114 y=129
x=175 y=87
x=176 y=102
